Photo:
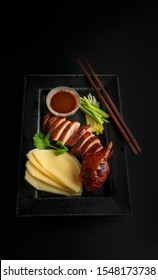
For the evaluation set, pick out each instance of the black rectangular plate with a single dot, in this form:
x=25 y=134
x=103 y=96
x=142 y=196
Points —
x=113 y=198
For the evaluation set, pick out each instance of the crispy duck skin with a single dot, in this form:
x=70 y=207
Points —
x=95 y=168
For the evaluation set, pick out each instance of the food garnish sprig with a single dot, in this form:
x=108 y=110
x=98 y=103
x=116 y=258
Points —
x=42 y=141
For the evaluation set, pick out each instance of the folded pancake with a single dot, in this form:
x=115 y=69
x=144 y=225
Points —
x=39 y=185
x=36 y=163
x=40 y=175
x=63 y=169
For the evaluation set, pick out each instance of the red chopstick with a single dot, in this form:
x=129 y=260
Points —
x=112 y=110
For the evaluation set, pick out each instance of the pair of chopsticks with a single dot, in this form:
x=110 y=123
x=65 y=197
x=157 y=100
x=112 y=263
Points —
x=111 y=108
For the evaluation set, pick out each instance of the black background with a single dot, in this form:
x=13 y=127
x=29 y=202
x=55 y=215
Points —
x=118 y=37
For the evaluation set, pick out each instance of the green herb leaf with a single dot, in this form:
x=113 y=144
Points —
x=60 y=151
x=46 y=139
x=62 y=148
x=42 y=142
x=61 y=145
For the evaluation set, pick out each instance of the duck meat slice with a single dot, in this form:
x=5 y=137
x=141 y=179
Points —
x=59 y=130
x=75 y=137
x=50 y=122
x=55 y=124
x=70 y=129
x=88 y=144
x=45 y=120
x=76 y=149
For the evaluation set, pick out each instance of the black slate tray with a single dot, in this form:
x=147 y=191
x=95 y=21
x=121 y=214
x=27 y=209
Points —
x=113 y=198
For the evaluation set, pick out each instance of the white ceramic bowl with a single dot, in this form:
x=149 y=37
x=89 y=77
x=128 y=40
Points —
x=63 y=101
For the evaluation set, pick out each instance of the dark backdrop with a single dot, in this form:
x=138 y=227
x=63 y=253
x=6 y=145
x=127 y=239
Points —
x=118 y=38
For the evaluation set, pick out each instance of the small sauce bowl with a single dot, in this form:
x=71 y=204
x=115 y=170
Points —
x=63 y=101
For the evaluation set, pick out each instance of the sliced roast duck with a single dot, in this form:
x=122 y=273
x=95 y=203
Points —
x=84 y=145
x=78 y=138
